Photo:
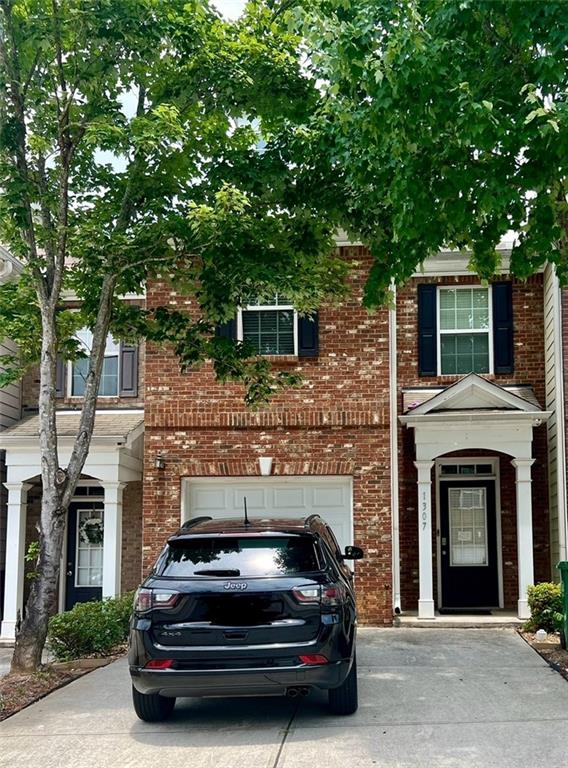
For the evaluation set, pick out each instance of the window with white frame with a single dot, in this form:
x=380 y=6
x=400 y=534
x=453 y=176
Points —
x=464 y=330
x=110 y=374
x=271 y=328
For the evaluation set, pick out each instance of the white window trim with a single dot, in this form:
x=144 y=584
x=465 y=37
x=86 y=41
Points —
x=271 y=308
x=464 y=331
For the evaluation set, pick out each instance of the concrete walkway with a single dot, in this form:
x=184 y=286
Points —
x=5 y=660
x=428 y=698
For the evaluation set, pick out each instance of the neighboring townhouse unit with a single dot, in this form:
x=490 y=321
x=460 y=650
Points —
x=103 y=542
x=10 y=413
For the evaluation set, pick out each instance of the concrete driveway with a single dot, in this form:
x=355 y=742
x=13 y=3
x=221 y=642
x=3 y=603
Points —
x=428 y=698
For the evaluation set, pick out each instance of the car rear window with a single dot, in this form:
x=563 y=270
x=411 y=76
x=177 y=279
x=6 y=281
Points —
x=239 y=556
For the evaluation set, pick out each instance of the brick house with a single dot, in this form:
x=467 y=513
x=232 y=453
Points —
x=418 y=432
x=431 y=434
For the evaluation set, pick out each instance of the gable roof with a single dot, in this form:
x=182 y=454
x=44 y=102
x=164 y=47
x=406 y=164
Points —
x=474 y=393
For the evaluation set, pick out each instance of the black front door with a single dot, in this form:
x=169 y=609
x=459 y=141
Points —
x=468 y=545
x=85 y=529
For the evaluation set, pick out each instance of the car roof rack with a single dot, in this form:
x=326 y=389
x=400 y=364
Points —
x=311 y=518
x=195 y=521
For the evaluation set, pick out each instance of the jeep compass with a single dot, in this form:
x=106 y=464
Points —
x=254 y=607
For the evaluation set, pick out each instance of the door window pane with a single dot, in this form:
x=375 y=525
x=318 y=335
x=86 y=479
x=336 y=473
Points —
x=90 y=532
x=468 y=526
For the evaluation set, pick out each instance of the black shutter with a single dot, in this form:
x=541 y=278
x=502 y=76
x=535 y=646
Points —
x=128 y=371
x=227 y=330
x=60 y=367
x=503 y=349
x=427 y=330
x=308 y=335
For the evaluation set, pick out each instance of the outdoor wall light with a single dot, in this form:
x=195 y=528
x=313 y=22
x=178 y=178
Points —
x=160 y=462
x=265 y=463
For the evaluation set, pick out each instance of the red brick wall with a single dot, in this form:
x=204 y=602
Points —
x=529 y=369
x=131 y=566
x=336 y=422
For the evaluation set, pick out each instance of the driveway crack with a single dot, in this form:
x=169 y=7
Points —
x=287 y=730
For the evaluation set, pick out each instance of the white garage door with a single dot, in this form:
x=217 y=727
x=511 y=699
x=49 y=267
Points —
x=329 y=497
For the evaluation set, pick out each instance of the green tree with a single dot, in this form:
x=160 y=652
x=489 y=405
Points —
x=447 y=123
x=140 y=137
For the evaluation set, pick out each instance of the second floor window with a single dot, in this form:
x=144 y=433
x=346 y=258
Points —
x=271 y=328
x=110 y=375
x=465 y=332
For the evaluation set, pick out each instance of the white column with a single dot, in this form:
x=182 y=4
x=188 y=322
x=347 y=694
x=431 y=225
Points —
x=112 y=538
x=15 y=551
x=426 y=599
x=524 y=532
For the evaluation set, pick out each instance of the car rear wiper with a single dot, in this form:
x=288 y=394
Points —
x=219 y=572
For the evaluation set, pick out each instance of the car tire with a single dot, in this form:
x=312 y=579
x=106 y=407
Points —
x=151 y=707
x=344 y=700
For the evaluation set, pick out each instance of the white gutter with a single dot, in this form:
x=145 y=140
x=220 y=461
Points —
x=393 y=396
x=560 y=424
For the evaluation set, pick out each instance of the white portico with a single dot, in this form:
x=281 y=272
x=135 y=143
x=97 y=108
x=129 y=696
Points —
x=114 y=460
x=473 y=414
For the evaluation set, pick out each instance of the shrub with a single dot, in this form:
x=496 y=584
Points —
x=90 y=629
x=546 y=604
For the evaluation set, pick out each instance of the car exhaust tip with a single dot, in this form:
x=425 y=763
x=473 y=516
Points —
x=304 y=690
x=293 y=693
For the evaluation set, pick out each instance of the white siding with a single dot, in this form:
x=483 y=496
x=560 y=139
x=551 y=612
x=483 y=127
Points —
x=555 y=424
x=11 y=396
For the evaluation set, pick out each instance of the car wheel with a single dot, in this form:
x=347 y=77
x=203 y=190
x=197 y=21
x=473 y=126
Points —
x=152 y=707
x=344 y=700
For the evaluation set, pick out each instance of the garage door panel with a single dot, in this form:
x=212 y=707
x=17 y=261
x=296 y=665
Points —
x=256 y=499
x=288 y=499
x=208 y=500
x=328 y=498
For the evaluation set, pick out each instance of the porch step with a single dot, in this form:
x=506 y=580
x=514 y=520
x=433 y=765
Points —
x=497 y=619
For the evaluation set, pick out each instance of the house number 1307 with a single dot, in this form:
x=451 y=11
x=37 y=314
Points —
x=424 y=512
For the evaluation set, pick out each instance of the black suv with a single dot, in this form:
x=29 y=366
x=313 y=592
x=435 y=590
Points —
x=232 y=608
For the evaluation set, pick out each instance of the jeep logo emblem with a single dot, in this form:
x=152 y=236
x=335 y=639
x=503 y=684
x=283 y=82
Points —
x=238 y=585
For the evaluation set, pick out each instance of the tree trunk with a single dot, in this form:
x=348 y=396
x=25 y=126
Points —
x=58 y=485
x=30 y=640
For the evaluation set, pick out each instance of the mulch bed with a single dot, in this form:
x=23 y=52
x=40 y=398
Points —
x=19 y=691
x=550 y=650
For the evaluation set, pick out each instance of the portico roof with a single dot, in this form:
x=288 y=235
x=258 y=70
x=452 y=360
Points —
x=472 y=397
x=111 y=428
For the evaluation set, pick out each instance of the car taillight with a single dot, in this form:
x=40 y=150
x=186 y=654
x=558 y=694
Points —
x=148 y=599
x=332 y=595
x=160 y=664
x=307 y=594
x=313 y=659
x=328 y=594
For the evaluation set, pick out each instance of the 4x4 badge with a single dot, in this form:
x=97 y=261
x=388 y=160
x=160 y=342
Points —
x=236 y=585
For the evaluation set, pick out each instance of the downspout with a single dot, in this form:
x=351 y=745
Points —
x=560 y=424
x=393 y=399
